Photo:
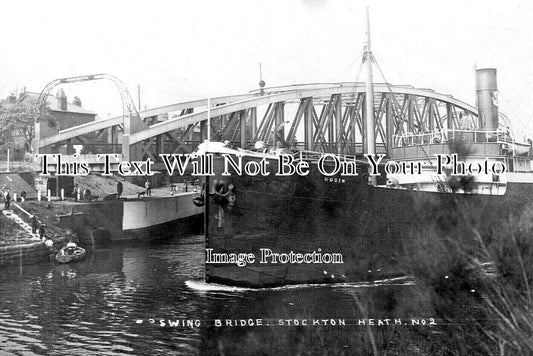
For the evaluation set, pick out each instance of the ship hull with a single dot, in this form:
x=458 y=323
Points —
x=370 y=227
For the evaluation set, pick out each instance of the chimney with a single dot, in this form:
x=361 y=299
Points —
x=12 y=98
x=76 y=101
x=61 y=99
x=487 y=103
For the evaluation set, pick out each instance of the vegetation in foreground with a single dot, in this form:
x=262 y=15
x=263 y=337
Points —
x=479 y=283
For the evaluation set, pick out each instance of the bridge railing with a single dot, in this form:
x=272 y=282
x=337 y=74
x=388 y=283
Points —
x=443 y=136
x=350 y=148
x=94 y=148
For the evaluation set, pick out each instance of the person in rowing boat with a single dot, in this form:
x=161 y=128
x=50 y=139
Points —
x=70 y=247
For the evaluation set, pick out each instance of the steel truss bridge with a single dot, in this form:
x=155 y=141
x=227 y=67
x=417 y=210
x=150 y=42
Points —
x=324 y=117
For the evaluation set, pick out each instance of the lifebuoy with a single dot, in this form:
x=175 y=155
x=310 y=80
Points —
x=220 y=187
x=219 y=195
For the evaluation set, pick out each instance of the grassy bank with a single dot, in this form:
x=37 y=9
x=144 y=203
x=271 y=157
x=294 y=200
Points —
x=11 y=233
x=46 y=213
x=479 y=284
x=20 y=247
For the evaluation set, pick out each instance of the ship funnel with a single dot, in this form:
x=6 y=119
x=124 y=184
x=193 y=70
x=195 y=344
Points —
x=487 y=100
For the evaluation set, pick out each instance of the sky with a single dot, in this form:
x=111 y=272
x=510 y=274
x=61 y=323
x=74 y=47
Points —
x=182 y=50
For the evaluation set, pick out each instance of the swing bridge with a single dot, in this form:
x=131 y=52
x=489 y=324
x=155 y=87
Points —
x=323 y=117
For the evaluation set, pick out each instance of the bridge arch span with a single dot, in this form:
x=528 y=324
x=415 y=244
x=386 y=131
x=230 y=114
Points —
x=327 y=117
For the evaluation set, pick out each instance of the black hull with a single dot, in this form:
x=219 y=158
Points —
x=369 y=226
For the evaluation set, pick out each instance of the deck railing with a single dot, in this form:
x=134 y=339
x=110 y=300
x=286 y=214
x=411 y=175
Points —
x=443 y=136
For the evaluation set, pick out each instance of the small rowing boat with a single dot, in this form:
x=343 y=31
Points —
x=77 y=255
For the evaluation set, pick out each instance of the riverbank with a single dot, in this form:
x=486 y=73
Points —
x=19 y=246
x=99 y=220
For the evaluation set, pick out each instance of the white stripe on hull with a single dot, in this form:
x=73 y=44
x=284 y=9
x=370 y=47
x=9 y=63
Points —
x=147 y=212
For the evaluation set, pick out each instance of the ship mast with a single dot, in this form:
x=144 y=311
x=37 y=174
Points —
x=369 y=144
x=208 y=118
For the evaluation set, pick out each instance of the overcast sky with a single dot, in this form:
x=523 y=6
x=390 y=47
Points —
x=180 y=50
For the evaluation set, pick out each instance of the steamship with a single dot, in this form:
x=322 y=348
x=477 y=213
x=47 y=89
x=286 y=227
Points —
x=368 y=220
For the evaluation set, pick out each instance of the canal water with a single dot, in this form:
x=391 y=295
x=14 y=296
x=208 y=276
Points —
x=149 y=300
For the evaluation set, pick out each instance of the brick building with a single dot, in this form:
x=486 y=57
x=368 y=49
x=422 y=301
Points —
x=62 y=114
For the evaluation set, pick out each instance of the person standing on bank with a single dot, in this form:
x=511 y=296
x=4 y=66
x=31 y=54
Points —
x=34 y=224
x=42 y=232
x=119 y=189
x=75 y=192
x=7 y=199
x=148 y=188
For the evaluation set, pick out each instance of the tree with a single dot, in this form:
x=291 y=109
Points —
x=17 y=125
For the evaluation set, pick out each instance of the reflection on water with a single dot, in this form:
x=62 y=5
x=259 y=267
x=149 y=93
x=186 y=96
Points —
x=115 y=302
